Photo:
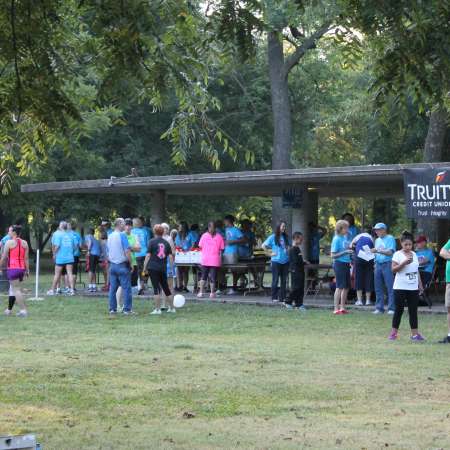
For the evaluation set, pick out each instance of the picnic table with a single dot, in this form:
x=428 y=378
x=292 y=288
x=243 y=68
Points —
x=255 y=266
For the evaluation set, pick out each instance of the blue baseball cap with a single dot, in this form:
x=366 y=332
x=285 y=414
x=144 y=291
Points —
x=380 y=226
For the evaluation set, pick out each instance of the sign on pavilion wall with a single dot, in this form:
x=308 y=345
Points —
x=292 y=198
x=427 y=193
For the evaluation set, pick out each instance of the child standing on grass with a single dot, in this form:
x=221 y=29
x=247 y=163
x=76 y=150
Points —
x=407 y=283
x=297 y=270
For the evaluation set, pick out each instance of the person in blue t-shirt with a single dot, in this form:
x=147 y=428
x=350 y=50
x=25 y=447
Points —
x=143 y=236
x=63 y=248
x=72 y=228
x=316 y=233
x=93 y=256
x=426 y=260
x=353 y=230
x=385 y=247
x=233 y=239
x=245 y=250
x=278 y=244
x=5 y=239
x=184 y=242
x=341 y=254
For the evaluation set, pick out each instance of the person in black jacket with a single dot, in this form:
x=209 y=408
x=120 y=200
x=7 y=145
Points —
x=297 y=270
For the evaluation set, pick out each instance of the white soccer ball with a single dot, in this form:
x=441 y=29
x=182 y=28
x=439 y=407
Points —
x=179 y=301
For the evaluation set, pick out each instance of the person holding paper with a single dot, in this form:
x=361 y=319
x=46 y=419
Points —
x=364 y=260
x=385 y=246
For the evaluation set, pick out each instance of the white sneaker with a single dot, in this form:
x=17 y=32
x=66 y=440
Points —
x=391 y=313
x=231 y=292
x=199 y=295
x=172 y=310
x=377 y=311
x=120 y=308
x=51 y=292
x=369 y=303
x=22 y=313
x=156 y=312
x=359 y=303
x=70 y=293
x=7 y=312
x=218 y=292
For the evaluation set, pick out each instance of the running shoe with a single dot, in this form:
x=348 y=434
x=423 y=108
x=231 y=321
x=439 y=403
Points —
x=338 y=312
x=58 y=291
x=378 y=311
x=129 y=313
x=417 y=338
x=288 y=306
x=359 y=303
x=369 y=303
x=22 y=313
x=199 y=295
x=446 y=340
x=393 y=336
x=172 y=310
x=391 y=312
x=302 y=308
x=66 y=290
x=156 y=312
x=212 y=295
x=8 y=312
x=344 y=311
x=51 y=292
x=70 y=293
x=112 y=312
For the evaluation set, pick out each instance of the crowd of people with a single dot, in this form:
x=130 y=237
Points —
x=129 y=253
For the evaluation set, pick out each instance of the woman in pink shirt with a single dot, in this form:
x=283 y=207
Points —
x=211 y=245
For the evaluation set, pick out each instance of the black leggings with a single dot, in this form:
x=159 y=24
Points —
x=411 y=298
x=159 y=281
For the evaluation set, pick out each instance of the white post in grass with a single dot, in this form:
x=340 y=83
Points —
x=36 y=297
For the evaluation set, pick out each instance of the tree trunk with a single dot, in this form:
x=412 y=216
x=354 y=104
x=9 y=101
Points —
x=433 y=152
x=282 y=121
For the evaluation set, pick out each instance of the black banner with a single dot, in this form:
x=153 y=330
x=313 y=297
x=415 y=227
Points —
x=292 y=198
x=427 y=193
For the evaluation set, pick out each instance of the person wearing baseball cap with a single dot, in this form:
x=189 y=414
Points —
x=385 y=247
x=426 y=260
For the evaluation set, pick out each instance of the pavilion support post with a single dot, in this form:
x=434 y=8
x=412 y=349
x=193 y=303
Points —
x=301 y=217
x=158 y=207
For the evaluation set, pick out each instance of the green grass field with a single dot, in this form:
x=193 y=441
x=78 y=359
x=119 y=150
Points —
x=221 y=376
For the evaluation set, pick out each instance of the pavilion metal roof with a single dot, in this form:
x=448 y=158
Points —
x=349 y=181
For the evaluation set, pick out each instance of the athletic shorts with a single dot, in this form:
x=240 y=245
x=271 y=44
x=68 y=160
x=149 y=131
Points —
x=342 y=273
x=447 y=295
x=15 y=274
x=64 y=270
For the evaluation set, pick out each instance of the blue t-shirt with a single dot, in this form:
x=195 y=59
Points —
x=429 y=254
x=232 y=234
x=314 y=245
x=353 y=231
x=281 y=255
x=386 y=243
x=143 y=237
x=186 y=243
x=195 y=237
x=66 y=246
x=338 y=245
x=246 y=250
x=94 y=244
x=77 y=240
